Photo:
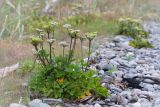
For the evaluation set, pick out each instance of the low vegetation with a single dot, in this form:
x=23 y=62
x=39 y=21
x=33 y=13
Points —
x=140 y=43
x=63 y=76
x=133 y=28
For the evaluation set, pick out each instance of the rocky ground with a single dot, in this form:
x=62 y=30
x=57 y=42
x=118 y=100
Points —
x=135 y=77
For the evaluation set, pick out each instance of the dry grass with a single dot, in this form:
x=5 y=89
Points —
x=12 y=52
x=11 y=89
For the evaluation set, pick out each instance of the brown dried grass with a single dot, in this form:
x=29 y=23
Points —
x=12 y=52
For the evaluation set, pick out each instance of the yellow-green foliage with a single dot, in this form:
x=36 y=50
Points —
x=131 y=27
x=39 y=22
x=140 y=43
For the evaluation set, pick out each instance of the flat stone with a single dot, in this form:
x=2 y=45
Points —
x=145 y=103
x=125 y=45
x=97 y=105
x=141 y=62
x=115 y=89
x=52 y=101
x=133 y=99
x=104 y=66
x=137 y=104
x=38 y=103
x=110 y=54
x=157 y=102
x=16 y=105
x=119 y=38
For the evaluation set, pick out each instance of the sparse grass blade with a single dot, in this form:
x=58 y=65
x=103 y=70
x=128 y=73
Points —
x=4 y=26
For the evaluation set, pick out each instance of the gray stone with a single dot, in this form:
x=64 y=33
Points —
x=104 y=66
x=114 y=63
x=38 y=103
x=52 y=101
x=141 y=62
x=148 y=94
x=116 y=106
x=119 y=38
x=118 y=74
x=110 y=54
x=124 y=102
x=59 y=106
x=137 y=104
x=147 y=87
x=115 y=89
x=133 y=99
x=107 y=79
x=136 y=92
x=149 y=81
x=97 y=105
x=16 y=105
x=126 y=94
x=157 y=103
x=101 y=72
x=125 y=45
x=145 y=103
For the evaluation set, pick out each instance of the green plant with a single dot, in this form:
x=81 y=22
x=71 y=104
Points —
x=67 y=81
x=140 y=43
x=90 y=36
x=131 y=27
x=27 y=67
x=64 y=76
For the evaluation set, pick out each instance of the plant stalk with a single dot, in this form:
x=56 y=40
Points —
x=89 y=55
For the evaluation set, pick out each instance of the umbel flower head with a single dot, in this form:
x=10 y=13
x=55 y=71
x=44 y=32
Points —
x=63 y=44
x=51 y=41
x=54 y=24
x=35 y=41
x=91 y=35
x=74 y=33
x=82 y=38
x=42 y=34
x=39 y=30
x=47 y=27
x=67 y=26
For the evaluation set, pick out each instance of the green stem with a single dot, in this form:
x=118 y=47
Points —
x=41 y=59
x=63 y=51
x=50 y=52
x=70 y=50
x=48 y=34
x=89 y=54
x=82 y=49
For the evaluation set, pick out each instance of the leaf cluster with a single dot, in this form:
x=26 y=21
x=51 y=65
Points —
x=67 y=81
